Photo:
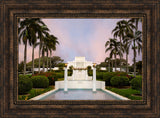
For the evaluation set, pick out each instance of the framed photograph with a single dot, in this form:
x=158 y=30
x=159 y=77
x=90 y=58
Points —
x=106 y=42
x=79 y=58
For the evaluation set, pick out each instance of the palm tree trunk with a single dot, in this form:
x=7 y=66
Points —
x=25 y=57
x=39 y=59
x=43 y=60
x=120 y=54
x=115 y=64
x=134 y=62
x=112 y=64
x=47 y=60
x=33 y=60
x=50 y=59
x=109 y=66
x=134 y=59
x=126 y=63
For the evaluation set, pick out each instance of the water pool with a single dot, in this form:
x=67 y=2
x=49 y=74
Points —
x=79 y=94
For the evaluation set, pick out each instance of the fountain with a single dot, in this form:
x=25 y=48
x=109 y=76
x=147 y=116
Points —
x=80 y=78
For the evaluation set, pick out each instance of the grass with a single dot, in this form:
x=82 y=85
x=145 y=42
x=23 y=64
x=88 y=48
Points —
x=34 y=92
x=127 y=92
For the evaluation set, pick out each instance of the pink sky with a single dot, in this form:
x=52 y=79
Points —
x=79 y=37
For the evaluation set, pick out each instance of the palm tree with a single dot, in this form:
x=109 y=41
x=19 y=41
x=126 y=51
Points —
x=122 y=28
x=41 y=34
x=134 y=40
x=136 y=21
x=49 y=45
x=52 y=47
x=35 y=29
x=46 y=45
x=29 y=28
x=126 y=49
x=44 y=49
x=107 y=59
x=24 y=35
x=114 y=47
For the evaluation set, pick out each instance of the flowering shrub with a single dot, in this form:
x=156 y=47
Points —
x=52 y=79
x=52 y=76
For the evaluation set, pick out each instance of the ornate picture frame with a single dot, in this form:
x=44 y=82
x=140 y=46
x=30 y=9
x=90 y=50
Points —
x=11 y=10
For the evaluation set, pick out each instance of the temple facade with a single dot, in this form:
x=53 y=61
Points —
x=80 y=78
x=79 y=66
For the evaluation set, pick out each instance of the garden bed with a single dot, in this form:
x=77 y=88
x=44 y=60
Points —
x=126 y=92
x=34 y=92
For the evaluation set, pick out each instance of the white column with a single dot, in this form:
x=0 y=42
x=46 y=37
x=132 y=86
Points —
x=94 y=78
x=73 y=74
x=86 y=72
x=65 y=79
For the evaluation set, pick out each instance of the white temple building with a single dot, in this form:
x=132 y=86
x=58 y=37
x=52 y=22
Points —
x=80 y=78
x=80 y=69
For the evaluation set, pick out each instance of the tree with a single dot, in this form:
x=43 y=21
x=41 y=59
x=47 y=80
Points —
x=126 y=49
x=41 y=33
x=134 y=40
x=36 y=27
x=108 y=60
x=57 y=61
x=103 y=64
x=136 y=21
x=44 y=49
x=122 y=28
x=52 y=47
x=139 y=67
x=21 y=67
x=24 y=35
x=60 y=64
x=114 y=47
x=49 y=45
x=123 y=62
x=29 y=29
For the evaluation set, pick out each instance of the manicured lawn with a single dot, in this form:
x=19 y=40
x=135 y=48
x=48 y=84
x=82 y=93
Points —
x=126 y=92
x=34 y=92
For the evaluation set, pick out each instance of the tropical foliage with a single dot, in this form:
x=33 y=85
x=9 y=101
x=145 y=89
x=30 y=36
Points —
x=33 y=31
x=126 y=36
x=114 y=47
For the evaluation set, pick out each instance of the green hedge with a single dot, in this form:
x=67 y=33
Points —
x=119 y=81
x=90 y=72
x=99 y=75
x=56 y=74
x=120 y=73
x=59 y=75
x=24 y=76
x=40 y=81
x=107 y=77
x=136 y=83
x=24 y=84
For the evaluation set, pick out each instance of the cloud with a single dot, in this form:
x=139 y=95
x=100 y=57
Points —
x=79 y=37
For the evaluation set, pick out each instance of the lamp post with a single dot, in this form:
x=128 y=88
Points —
x=94 y=77
x=65 y=78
